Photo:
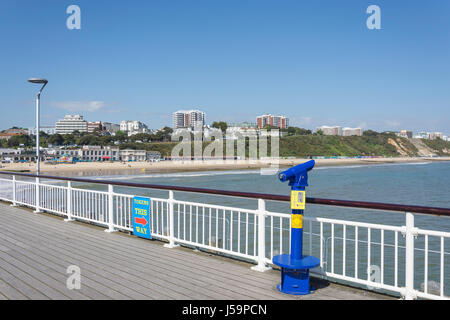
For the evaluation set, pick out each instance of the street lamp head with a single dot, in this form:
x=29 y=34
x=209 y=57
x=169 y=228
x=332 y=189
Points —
x=37 y=80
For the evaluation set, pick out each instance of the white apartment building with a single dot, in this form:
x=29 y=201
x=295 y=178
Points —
x=405 y=134
x=188 y=119
x=46 y=129
x=429 y=135
x=111 y=127
x=330 y=131
x=133 y=127
x=98 y=153
x=352 y=132
x=71 y=123
x=271 y=120
x=93 y=126
x=133 y=155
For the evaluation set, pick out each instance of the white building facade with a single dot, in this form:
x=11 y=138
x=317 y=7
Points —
x=46 y=129
x=71 y=123
x=188 y=119
x=133 y=127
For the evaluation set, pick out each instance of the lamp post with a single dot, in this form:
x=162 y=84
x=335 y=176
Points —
x=38 y=98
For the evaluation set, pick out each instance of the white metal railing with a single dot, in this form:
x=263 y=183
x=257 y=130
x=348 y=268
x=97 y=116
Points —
x=376 y=256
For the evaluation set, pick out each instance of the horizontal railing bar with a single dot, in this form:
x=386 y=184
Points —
x=274 y=197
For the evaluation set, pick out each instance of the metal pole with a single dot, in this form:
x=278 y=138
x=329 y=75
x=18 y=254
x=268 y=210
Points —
x=38 y=98
x=261 y=267
x=14 y=204
x=409 y=257
x=69 y=202
x=110 y=209
x=171 y=243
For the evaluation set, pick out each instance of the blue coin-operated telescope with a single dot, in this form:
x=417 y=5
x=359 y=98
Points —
x=295 y=266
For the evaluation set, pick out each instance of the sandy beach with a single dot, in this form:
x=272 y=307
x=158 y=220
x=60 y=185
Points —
x=109 y=168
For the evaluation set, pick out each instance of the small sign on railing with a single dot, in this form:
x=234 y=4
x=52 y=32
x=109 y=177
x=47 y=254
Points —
x=141 y=217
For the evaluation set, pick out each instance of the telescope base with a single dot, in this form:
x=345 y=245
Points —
x=295 y=273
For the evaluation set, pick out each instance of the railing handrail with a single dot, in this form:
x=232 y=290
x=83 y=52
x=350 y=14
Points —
x=254 y=195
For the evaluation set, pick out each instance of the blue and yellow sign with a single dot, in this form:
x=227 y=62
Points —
x=141 y=217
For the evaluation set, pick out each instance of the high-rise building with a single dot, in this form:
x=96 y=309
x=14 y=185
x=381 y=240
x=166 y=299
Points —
x=331 y=131
x=71 y=123
x=405 y=134
x=47 y=129
x=111 y=127
x=133 y=127
x=188 y=119
x=271 y=120
x=352 y=132
x=93 y=126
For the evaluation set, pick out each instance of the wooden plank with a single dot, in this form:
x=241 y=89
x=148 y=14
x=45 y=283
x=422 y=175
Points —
x=51 y=242
x=197 y=261
x=63 y=253
x=10 y=292
x=127 y=274
x=96 y=281
x=265 y=294
x=24 y=288
x=59 y=275
x=221 y=295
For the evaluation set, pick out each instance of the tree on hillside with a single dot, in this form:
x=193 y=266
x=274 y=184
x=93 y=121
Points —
x=370 y=133
x=55 y=139
x=16 y=141
x=220 y=125
x=298 y=131
x=121 y=136
x=144 y=137
x=69 y=139
x=89 y=139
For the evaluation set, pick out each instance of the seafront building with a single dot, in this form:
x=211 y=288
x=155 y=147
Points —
x=429 y=135
x=112 y=128
x=133 y=155
x=46 y=129
x=97 y=153
x=280 y=122
x=330 y=131
x=71 y=123
x=133 y=127
x=339 y=131
x=94 y=126
x=351 y=132
x=188 y=119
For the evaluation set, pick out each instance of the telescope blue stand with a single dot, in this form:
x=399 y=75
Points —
x=295 y=266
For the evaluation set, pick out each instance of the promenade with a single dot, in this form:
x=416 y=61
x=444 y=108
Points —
x=37 y=249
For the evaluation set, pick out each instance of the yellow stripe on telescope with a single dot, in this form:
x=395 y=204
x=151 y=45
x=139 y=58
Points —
x=297 y=221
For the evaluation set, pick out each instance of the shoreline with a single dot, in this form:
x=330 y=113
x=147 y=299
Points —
x=134 y=168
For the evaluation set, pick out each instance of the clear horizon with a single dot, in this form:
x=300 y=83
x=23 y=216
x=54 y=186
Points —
x=316 y=63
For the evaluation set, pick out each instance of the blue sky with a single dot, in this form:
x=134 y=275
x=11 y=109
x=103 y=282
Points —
x=313 y=61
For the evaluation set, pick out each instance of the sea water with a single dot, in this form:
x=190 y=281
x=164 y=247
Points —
x=423 y=184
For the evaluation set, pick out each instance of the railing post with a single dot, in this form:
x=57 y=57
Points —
x=410 y=233
x=261 y=266
x=14 y=204
x=37 y=196
x=69 y=202
x=110 y=209
x=171 y=243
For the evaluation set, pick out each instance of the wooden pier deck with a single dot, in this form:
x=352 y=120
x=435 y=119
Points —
x=37 y=249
